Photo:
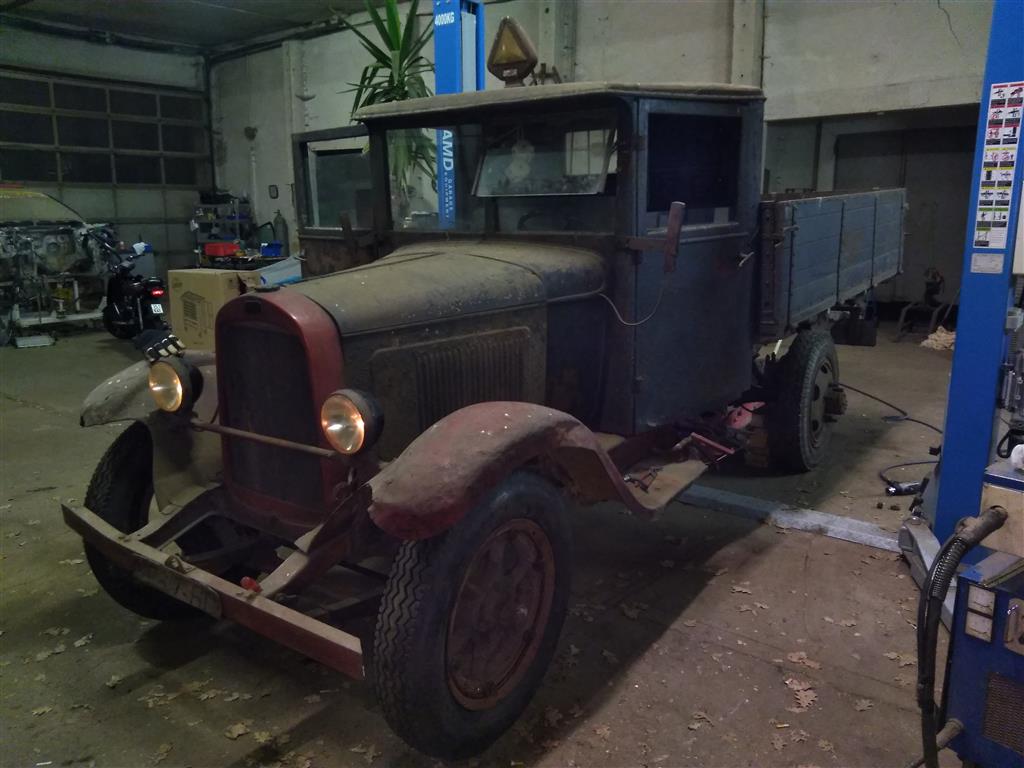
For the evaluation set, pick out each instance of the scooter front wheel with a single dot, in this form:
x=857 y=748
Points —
x=116 y=328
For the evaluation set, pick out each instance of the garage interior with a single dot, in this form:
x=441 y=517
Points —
x=766 y=617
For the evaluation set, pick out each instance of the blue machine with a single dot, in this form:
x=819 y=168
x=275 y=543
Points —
x=458 y=66
x=985 y=673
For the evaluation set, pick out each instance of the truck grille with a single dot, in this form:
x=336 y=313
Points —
x=265 y=382
x=1003 y=707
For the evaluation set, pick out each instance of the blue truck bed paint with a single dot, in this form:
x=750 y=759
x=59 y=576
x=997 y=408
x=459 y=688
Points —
x=826 y=250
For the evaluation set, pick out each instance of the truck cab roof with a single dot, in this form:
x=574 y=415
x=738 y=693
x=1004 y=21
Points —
x=505 y=97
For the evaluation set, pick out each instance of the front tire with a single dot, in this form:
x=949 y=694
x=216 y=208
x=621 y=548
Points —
x=120 y=493
x=470 y=620
x=114 y=328
x=799 y=423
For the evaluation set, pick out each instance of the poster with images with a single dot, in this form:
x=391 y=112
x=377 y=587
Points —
x=1002 y=137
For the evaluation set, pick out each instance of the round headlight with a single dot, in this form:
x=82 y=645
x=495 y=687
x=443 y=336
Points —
x=174 y=384
x=167 y=387
x=350 y=420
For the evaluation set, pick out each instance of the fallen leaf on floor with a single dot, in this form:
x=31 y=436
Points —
x=33 y=522
x=798 y=736
x=210 y=694
x=41 y=711
x=313 y=698
x=369 y=753
x=235 y=696
x=550 y=743
x=39 y=678
x=848 y=623
x=234 y=731
x=828 y=619
x=552 y=717
x=114 y=681
x=83 y=640
x=629 y=611
x=902 y=680
x=762 y=606
x=825 y=745
x=42 y=656
x=161 y=753
x=800 y=657
x=195 y=685
x=575 y=711
x=56 y=631
x=659 y=759
x=668 y=563
x=262 y=737
x=603 y=731
x=737 y=588
x=690 y=623
x=72 y=561
x=59 y=648
x=610 y=657
x=804 y=699
x=745 y=608
x=863 y=705
x=700 y=718
x=778 y=742
x=573 y=650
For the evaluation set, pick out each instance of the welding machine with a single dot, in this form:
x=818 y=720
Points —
x=985 y=671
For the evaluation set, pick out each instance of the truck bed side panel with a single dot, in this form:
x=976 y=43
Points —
x=814 y=254
x=818 y=252
x=888 y=260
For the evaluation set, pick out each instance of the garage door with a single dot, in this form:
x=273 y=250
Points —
x=133 y=155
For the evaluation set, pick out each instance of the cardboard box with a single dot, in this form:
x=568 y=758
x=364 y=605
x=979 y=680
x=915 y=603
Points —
x=196 y=295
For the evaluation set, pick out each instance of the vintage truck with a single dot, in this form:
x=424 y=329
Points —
x=584 y=308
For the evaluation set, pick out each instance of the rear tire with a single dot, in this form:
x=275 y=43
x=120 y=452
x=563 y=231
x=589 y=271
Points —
x=799 y=428
x=120 y=492
x=497 y=583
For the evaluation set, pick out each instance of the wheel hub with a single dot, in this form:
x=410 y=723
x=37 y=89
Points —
x=500 y=614
x=817 y=410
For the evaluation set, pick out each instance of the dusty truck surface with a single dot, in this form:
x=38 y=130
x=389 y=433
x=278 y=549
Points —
x=590 y=313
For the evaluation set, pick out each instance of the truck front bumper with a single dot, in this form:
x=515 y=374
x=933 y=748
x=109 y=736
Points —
x=219 y=598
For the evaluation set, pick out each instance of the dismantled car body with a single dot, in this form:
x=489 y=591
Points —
x=549 y=318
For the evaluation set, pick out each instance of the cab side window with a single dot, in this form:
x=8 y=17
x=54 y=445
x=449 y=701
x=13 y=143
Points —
x=694 y=159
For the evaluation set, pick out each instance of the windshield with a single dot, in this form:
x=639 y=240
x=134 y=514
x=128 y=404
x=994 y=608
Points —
x=551 y=174
x=24 y=206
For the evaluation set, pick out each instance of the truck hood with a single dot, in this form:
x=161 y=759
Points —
x=433 y=281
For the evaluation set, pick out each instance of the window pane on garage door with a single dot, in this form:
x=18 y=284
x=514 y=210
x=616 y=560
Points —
x=82 y=132
x=80 y=97
x=135 y=135
x=26 y=128
x=17 y=90
x=183 y=138
x=181 y=108
x=132 y=103
x=86 y=167
x=27 y=165
x=137 y=169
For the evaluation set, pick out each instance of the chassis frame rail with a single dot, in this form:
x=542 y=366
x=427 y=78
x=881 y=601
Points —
x=218 y=597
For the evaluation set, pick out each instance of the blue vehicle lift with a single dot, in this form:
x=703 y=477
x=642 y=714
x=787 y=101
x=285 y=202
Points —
x=458 y=66
x=982 y=710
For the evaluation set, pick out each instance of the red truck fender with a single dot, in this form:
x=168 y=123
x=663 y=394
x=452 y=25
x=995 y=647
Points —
x=449 y=468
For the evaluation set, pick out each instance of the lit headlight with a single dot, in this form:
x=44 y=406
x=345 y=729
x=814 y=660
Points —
x=174 y=385
x=350 y=420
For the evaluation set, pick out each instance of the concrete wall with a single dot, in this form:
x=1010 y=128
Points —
x=77 y=57
x=848 y=57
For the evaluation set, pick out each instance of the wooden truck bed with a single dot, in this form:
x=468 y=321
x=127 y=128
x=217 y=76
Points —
x=818 y=252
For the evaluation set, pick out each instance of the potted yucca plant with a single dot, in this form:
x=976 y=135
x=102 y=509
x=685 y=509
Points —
x=395 y=74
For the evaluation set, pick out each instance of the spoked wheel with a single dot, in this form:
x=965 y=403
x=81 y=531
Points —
x=470 y=620
x=500 y=613
x=807 y=400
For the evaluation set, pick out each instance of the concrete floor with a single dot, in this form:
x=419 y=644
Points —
x=682 y=637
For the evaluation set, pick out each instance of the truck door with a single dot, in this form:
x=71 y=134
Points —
x=334 y=198
x=695 y=352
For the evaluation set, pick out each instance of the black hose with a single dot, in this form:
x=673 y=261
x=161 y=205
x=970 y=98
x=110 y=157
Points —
x=903 y=415
x=970 y=531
